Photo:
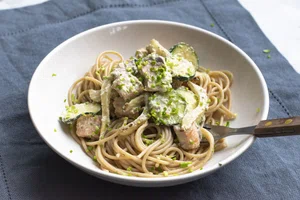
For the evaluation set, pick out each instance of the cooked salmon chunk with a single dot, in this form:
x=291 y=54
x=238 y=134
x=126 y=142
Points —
x=88 y=126
x=188 y=139
x=127 y=85
x=131 y=109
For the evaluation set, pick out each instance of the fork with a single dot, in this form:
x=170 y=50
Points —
x=265 y=128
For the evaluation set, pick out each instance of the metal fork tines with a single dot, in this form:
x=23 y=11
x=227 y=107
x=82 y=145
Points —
x=220 y=132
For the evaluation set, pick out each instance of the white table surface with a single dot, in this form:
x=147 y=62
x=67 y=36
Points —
x=278 y=19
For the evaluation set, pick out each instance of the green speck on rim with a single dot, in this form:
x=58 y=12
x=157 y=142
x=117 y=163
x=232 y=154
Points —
x=266 y=50
x=258 y=110
x=269 y=56
x=55 y=130
x=53 y=75
x=71 y=151
x=212 y=25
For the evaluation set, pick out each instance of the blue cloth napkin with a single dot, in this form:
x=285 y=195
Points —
x=270 y=169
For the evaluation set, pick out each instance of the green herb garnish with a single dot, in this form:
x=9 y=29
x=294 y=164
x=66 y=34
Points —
x=129 y=169
x=227 y=124
x=185 y=164
x=73 y=98
x=90 y=148
x=266 y=50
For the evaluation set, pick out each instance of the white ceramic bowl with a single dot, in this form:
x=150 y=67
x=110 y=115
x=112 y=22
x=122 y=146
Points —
x=71 y=59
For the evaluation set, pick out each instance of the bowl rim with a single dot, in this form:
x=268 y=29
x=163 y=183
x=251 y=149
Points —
x=131 y=179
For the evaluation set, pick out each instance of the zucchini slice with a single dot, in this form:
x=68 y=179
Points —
x=75 y=111
x=167 y=108
x=189 y=97
x=181 y=68
x=187 y=52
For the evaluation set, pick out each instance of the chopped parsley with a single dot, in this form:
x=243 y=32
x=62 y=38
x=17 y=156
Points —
x=267 y=51
x=95 y=158
x=97 y=130
x=166 y=173
x=129 y=169
x=71 y=151
x=148 y=142
x=90 y=148
x=158 y=169
x=73 y=98
x=53 y=75
x=152 y=169
x=55 y=130
x=227 y=124
x=185 y=164
x=201 y=168
x=212 y=25
x=65 y=100
x=258 y=110
x=220 y=164
x=120 y=86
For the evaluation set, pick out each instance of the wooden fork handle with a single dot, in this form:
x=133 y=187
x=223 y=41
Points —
x=278 y=127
